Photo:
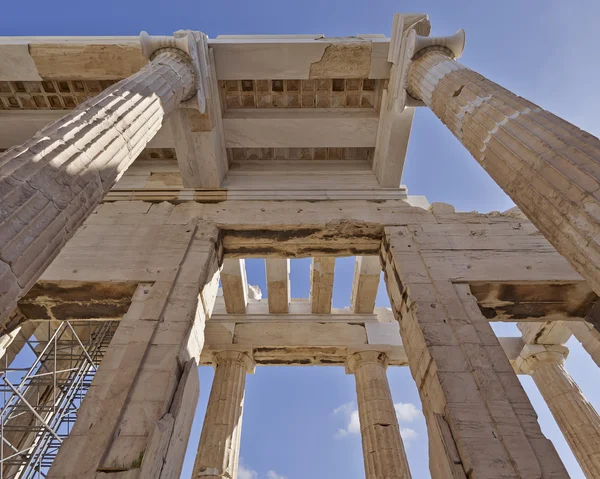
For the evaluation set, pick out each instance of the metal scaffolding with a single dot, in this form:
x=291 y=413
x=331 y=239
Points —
x=42 y=390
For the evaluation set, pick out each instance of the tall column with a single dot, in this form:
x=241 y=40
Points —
x=548 y=167
x=381 y=441
x=588 y=336
x=575 y=416
x=52 y=183
x=136 y=417
x=219 y=448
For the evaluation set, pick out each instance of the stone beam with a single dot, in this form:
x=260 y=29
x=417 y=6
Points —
x=17 y=126
x=298 y=128
x=552 y=332
x=235 y=286
x=48 y=58
x=393 y=134
x=321 y=284
x=467 y=247
x=366 y=281
x=545 y=303
x=248 y=57
x=320 y=340
x=237 y=57
x=278 y=284
x=395 y=120
x=238 y=128
x=199 y=138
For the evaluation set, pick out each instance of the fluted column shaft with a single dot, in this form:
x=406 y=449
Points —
x=219 y=448
x=588 y=336
x=550 y=168
x=52 y=183
x=383 y=450
x=575 y=416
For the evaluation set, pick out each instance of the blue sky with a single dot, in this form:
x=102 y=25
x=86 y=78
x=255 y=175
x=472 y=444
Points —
x=543 y=50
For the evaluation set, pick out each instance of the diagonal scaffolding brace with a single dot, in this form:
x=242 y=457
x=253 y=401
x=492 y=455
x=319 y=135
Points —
x=42 y=389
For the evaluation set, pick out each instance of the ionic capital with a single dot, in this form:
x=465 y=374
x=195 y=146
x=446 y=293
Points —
x=534 y=356
x=193 y=47
x=363 y=358
x=409 y=40
x=240 y=357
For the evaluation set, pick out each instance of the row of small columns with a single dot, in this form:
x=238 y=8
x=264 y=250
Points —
x=383 y=450
x=219 y=447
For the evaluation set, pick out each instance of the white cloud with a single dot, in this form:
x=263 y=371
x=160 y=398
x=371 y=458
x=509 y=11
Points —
x=353 y=425
x=344 y=408
x=273 y=475
x=408 y=434
x=406 y=412
x=246 y=473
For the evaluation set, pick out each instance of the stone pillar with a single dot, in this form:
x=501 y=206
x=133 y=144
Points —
x=588 y=336
x=480 y=422
x=547 y=166
x=381 y=441
x=219 y=448
x=52 y=183
x=575 y=416
x=136 y=418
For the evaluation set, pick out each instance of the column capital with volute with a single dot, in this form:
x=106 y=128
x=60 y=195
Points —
x=361 y=358
x=574 y=415
x=546 y=165
x=533 y=356
x=191 y=46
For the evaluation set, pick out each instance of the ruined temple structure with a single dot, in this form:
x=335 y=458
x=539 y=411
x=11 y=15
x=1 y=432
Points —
x=139 y=173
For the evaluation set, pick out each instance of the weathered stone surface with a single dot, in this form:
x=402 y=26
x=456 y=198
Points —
x=575 y=416
x=383 y=450
x=219 y=448
x=477 y=413
x=137 y=381
x=546 y=165
x=321 y=284
x=52 y=183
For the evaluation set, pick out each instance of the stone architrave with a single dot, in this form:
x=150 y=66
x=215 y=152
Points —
x=548 y=167
x=219 y=448
x=52 y=183
x=383 y=450
x=575 y=416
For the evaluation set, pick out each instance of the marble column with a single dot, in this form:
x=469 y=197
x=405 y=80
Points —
x=575 y=416
x=548 y=167
x=219 y=448
x=383 y=450
x=588 y=336
x=52 y=183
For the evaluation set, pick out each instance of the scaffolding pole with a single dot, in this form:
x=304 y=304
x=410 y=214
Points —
x=41 y=392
